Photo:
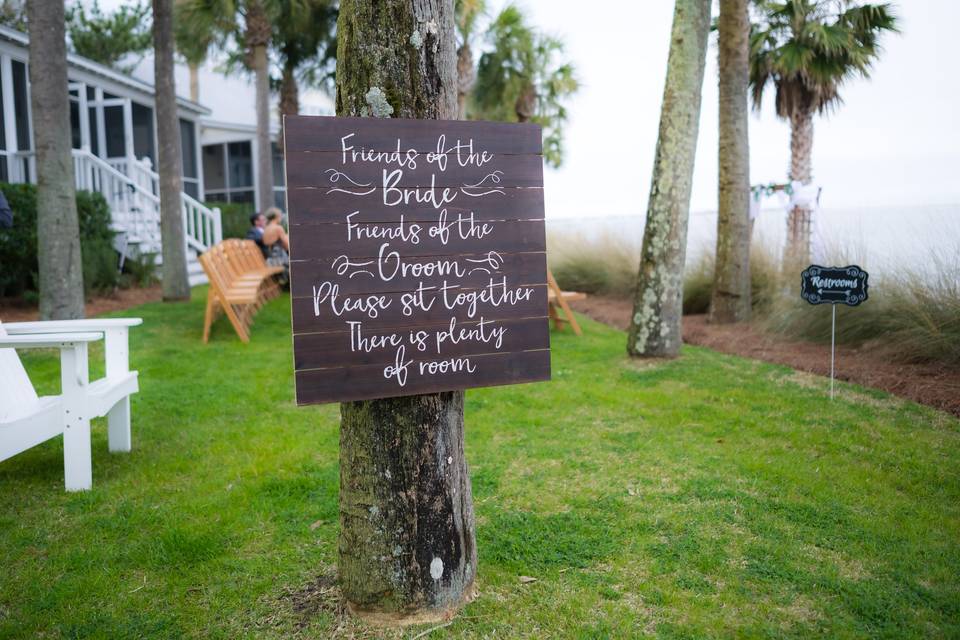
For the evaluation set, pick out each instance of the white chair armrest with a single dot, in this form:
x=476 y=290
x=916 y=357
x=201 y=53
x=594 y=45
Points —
x=49 y=340
x=60 y=326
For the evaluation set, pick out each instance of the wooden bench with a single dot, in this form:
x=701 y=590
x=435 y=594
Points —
x=559 y=298
x=240 y=283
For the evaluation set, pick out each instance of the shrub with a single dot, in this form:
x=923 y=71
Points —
x=18 y=246
x=605 y=265
x=234 y=217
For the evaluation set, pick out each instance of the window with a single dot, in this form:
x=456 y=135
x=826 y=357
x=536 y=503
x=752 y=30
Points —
x=142 y=117
x=228 y=172
x=113 y=130
x=240 y=164
x=279 y=178
x=188 y=153
x=21 y=108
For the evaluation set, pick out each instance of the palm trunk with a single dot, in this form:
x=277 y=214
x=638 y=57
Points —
x=264 y=149
x=801 y=162
x=194 y=81
x=466 y=77
x=731 y=285
x=289 y=96
x=173 y=243
x=658 y=302
x=257 y=35
x=407 y=549
x=58 y=230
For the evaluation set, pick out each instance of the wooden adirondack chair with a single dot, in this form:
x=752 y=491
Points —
x=558 y=298
x=26 y=420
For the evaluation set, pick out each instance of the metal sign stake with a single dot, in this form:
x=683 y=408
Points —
x=833 y=340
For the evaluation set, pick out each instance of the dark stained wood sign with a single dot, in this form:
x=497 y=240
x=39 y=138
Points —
x=834 y=285
x=417 y=256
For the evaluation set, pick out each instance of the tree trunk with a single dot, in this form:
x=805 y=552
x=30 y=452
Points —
x=526 y=105
x=194 y=81
x=658 y=301
x=58 y=229
x=407 y=550
x=289 y=96
x=258 y=38
x=173 y=243
x=466 y=77
x=801 y=163
x=731 y=284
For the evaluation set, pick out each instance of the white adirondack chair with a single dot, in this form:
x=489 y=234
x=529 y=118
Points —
x=26 y=420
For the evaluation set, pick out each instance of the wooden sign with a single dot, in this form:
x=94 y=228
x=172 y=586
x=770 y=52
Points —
x=417 y=256
x=833 y=285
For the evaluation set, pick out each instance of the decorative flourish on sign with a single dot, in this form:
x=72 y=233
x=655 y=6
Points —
x=342 y=266
x=493 y=260
x=494 y=178
x=833 y=285
x=334 y=177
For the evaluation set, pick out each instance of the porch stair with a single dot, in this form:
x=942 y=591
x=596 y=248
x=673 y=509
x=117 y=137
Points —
x=132 y=191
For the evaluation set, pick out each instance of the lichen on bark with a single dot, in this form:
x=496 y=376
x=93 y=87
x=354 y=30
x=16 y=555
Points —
x=658 y=300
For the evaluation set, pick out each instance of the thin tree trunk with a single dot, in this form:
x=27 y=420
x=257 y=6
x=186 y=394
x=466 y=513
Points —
x=257 y=36
x=466 y=77
x=176 y=285
x=58 y=229
x=658 y=301
x=289 y=96
x=801 y=170
x=407 y=549
x=264 y=148
x=194 y=81
x=731 y=285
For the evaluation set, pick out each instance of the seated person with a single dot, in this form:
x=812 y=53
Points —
x=255 y=232
x=276 y=242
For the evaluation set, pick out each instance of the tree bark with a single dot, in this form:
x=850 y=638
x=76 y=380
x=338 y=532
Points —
x=801 y=162
x=194 y=81
x=658 y=301
x=731 y=285
x=258 y=38
x=466 y=77
x=176 y=285
x=289 y=96
x=58 y=229
x=407 y=548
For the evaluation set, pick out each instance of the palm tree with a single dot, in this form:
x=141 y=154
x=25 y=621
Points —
x=520 y=80
x=249 y=24
x=173 y=244
x=730 y=301
x=468 y=14
x=807 y=50
x=194 y=38
x=658 y=301
x=304 y=37
x=58 y=227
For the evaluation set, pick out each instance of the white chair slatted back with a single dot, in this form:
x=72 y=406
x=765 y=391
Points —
x=16 y=391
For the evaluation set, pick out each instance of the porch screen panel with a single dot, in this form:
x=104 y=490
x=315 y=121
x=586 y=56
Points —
x=21 y=108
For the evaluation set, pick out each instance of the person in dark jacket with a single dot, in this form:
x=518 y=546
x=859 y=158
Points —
x=6 y=214
x=257 y=222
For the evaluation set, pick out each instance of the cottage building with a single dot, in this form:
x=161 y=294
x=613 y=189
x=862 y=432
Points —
x=114 y=136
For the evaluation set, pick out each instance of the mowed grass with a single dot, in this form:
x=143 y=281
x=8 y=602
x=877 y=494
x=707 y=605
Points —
x=710 y=496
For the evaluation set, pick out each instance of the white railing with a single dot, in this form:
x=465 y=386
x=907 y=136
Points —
x=132 y=189
x=202 y=226
x=134 y=209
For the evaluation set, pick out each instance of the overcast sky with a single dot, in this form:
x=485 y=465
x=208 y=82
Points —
x=894 y=141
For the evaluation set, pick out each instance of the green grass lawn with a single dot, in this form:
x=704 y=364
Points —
x=707 y=496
